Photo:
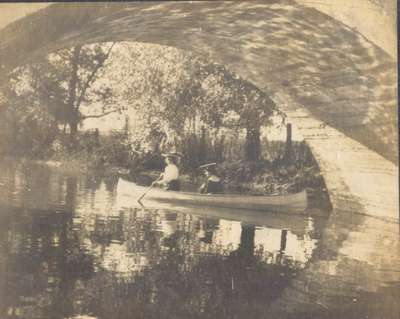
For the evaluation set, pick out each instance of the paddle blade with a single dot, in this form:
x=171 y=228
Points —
x=140 y=202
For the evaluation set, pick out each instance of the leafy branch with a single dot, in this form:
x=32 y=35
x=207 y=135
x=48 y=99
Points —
x=92 y=116
x=92 y=76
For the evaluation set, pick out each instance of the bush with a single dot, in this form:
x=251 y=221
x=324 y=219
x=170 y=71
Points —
x=114 y=150
x=243 y=171
x=26 y=133
x=96 y=150
x=200 y=150
x=146 y=162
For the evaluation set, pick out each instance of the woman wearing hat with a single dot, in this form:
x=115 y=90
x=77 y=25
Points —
x=213 y=184
x=170 y=178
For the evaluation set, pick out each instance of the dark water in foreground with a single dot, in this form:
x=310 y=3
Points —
x=67 y=250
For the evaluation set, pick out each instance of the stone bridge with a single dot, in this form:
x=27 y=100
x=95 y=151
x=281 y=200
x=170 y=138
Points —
x=336 y=86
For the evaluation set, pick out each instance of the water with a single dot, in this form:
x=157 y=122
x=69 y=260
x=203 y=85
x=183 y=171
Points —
x=68 y=250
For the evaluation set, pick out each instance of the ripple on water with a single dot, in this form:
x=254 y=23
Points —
x=78 y=256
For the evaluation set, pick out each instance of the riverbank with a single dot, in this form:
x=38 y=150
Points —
x=261 y=177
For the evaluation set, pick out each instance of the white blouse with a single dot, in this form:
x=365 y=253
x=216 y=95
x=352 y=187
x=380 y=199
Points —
x=171 y=172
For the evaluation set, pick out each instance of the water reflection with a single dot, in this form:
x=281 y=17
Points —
x=67 y=250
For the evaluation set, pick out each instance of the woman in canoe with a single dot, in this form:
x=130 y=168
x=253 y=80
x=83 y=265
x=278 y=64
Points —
x=213 y=183
x=169 y=179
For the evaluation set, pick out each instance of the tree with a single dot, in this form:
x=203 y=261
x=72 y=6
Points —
x=176 y=94
x=85 y=63
x=227 y=101
x=68 y=84
x=27 y=126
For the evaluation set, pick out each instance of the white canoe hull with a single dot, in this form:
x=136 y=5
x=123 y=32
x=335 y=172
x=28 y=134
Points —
x=290 y=203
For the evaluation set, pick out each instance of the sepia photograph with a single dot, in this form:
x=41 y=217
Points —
x=199 y=160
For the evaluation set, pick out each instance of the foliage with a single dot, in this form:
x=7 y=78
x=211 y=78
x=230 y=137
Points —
x=67 y=84
x=174 y=101
x=275 y=176
x=112 y=149
x=27 y=128
x=198 y=150
x=176 y=95
x=97 y=151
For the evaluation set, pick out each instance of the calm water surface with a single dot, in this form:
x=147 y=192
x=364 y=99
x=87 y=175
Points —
x=69 y=250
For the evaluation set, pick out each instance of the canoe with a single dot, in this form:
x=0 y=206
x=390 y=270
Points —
x=288 y=203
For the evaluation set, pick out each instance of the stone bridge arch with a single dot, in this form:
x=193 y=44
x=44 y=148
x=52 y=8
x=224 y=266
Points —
x=337 y=87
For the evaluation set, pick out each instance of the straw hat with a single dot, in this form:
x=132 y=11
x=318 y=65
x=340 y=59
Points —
x=176 y=155
x=207 y=166
x=211 y=168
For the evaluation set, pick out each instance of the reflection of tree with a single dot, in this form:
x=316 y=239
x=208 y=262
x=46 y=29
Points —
x=44 y=260
x=246 y=247
x=70 y=193
x=179 y=282
x=152 y=263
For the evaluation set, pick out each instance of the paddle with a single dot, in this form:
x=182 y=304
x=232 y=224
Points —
x=148 y=190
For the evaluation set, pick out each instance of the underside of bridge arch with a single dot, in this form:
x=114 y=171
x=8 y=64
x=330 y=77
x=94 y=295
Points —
x=334 y=84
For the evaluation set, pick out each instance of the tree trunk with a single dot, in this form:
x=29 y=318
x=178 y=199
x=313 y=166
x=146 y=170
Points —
x=203 y=151
x=289 y=156
x=73 y=109
x=73 y=125
x=253 y=144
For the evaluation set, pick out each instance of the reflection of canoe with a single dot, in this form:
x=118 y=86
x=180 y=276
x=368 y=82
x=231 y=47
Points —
x=290 y=203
